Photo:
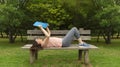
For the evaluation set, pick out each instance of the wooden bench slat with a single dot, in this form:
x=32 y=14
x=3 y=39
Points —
x=52 y=31
x=28 y=46
x=57 y=31
x=32 y=34
x=33 y=37
x=74 y=47
x=85 y=31
x=85 y=37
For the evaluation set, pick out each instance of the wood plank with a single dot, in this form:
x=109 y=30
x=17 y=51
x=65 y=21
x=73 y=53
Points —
x=85 y=37
x=85 y=34
x=85 y=31
x=80 y=55
x=52 y=31
x=27 y=46
x=34 y=37
x=86 y=57
x=57 y=32
x=75 y=47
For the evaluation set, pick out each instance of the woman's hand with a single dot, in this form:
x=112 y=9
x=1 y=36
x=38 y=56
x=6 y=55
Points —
x=47 y=34
x=40 y=26
x=48 y=30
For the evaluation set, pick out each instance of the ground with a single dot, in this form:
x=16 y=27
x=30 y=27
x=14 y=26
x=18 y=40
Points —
x=11 y=55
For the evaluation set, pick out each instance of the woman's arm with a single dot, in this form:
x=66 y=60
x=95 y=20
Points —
x=48 y=30
x=45 y=42
x=47 y=34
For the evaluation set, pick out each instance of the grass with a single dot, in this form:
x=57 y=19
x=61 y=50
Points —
x=11 y=55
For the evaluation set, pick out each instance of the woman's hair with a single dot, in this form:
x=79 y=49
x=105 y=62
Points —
x=36 y=45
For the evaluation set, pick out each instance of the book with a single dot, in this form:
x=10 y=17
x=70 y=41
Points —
x=38 y=23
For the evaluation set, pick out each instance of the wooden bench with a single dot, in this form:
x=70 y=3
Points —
x=85 y=35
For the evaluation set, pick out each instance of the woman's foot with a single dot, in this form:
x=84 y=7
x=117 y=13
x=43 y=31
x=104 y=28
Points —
x=84 y=44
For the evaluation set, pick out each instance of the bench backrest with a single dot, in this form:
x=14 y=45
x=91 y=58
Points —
x=32 y=34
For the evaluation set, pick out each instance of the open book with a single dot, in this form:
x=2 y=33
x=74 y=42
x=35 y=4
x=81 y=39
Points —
x=38 y=23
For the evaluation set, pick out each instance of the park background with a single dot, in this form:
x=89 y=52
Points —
x=102 y=17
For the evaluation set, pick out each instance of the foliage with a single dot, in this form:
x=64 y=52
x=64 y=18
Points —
x=9 y=14
x=54 y=15
x=80 y=11
x=10 y=19
x=108 y=18
x=97 y=15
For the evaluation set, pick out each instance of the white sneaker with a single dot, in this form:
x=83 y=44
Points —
x=84 y=44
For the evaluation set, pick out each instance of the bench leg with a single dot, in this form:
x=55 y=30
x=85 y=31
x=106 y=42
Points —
x=33 y=55
x=36 y=54
x=86 y=56
x=80 y=54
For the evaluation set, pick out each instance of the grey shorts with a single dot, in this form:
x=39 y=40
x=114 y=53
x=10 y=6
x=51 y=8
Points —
x=69 y=37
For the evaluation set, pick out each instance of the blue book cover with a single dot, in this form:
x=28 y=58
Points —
x=38 y=23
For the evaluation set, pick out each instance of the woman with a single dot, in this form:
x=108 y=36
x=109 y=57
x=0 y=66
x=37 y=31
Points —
x=49 y=41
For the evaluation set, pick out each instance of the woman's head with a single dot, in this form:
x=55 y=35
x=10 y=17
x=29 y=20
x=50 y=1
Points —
x=36 y=44
x=39 y=41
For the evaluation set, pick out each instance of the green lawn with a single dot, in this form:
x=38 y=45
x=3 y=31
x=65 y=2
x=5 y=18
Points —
x=11 y=55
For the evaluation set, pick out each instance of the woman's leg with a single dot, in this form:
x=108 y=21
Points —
x=69 y=37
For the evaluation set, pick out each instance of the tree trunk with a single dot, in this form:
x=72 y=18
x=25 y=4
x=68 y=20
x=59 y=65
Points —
x=118 y=34
x=104 y=37
x=1 y=34
x=107 y=37
x=108 y=40
x=98 y=36
x=21 y=36
x=12 y=37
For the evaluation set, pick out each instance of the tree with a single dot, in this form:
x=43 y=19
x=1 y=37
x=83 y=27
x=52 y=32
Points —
x=80 y=11
x=55 y=15
x=10 y=19
x=109 y=20
x=20 y=6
